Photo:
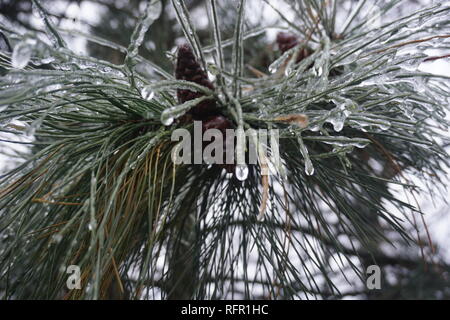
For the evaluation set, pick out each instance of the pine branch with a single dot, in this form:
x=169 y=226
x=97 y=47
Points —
x=97 y=186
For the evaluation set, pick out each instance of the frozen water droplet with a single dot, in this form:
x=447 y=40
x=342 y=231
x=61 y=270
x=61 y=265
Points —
x=21 y=55
x=166 y=119
x=91 y=226
x=241 y=172
x=309 y=168
x=337 y=122
x=315 y=127
x=342 y=141
x=281 y=61
x=339 y=114
x=272 y=69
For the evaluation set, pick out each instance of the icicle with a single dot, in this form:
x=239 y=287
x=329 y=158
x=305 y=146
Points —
x=152 y=12
x=342 y=141
x=361 y=122
x=309 y=168
x=281 y=61
x=241 y=170
x=338 y=120
x=339 y=114
x=170 y=114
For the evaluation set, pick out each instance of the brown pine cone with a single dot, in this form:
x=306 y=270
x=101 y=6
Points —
x=189 y=69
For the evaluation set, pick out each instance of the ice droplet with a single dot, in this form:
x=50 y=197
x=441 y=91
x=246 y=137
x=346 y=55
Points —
x=337 y=122
x=315 y=127
x=339 y=114
x=92 y=226
x=362 y=121
x=166 y=119
x=278 y=63
x=241 y=172
x=170 y=114
x=342 y=141
x=21 y=55
x=309 y=167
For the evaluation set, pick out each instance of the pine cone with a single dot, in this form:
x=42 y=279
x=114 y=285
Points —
x=189 y=69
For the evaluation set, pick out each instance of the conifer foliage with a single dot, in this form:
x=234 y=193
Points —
x=96 y=185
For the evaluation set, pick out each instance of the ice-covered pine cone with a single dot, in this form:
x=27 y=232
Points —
x=189 y=69
x=286 y=41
